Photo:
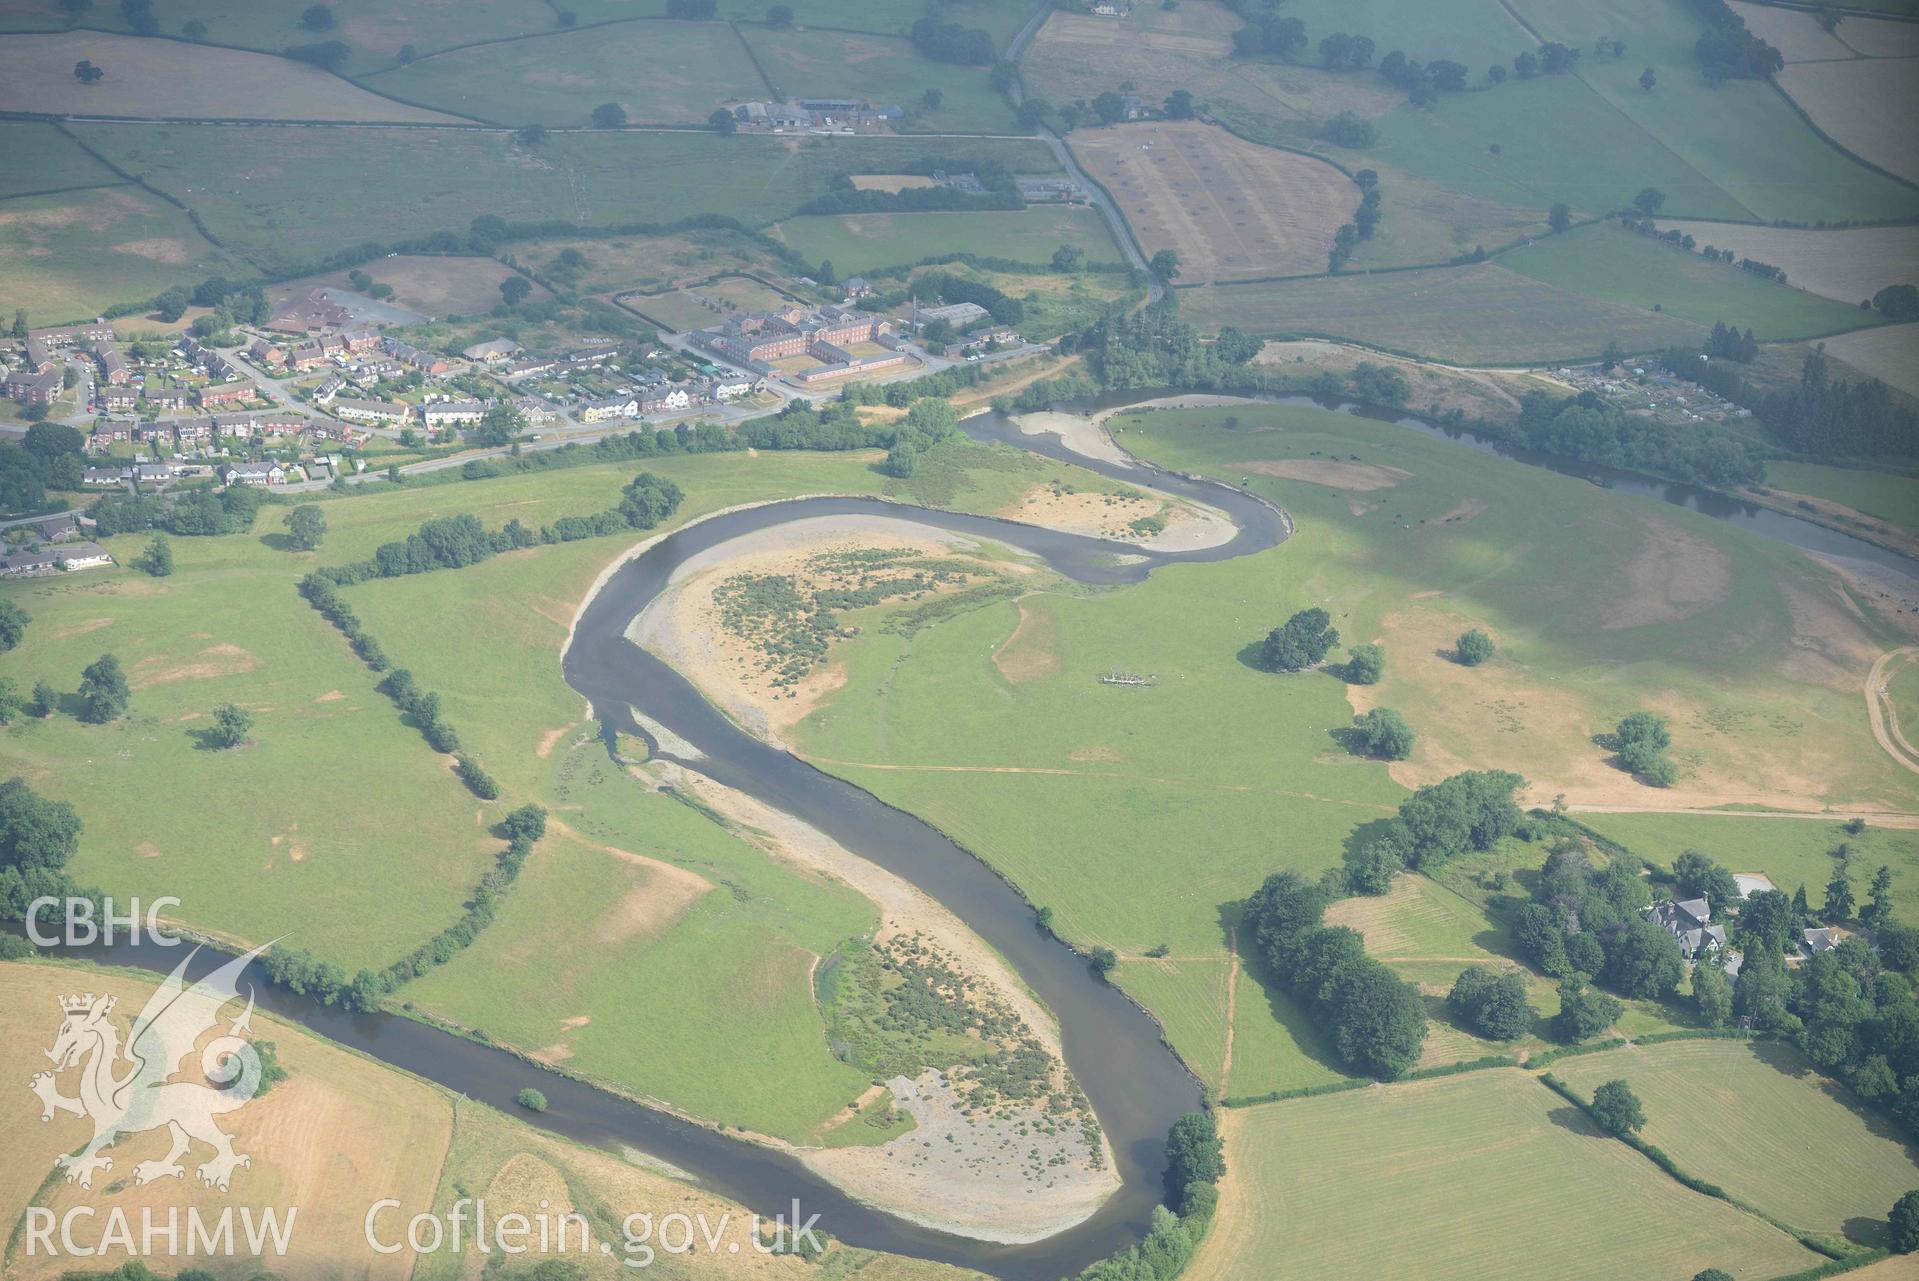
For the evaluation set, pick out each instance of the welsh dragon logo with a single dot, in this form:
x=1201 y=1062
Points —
x=129 y=1090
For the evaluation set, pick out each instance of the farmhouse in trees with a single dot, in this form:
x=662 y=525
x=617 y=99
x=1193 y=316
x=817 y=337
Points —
x=844 y=115
x=1688 y=921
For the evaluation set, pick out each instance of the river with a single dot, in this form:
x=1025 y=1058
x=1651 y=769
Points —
x=1136 y=1085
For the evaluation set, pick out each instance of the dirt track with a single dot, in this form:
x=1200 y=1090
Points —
x=1884 y=716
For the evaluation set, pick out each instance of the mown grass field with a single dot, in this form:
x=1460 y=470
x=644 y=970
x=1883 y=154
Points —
x=1475 y=32
x=1885 y=353
x=69 y=256
x=1488 y=1176
x=1608 y=262
x=1002 y=18
x=386 y=1135
x=1882 y=495
x=660 y=72
x=1793 y=852
x=253 y=185
x=1847 y=264
x=883 y=71
x=867 y=242
x=1482 y=314
x=1756 y=1118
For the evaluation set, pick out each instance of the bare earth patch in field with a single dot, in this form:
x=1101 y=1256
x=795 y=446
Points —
x=1890 y=352
x=1674 y=576
x=1843 y=263
x=1232 y=210
x=1360 y=477
x=1032 y=651
x=891 y=182
x=338 y=1126
x=1867 y=105
x=144 y=77
x=214 y=660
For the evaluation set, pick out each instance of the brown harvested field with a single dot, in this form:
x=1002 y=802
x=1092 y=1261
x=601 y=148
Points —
x=1890 y=352
x=1157 y=51
x=890 y=181
x=1867 y=105
x=1846 y=264
x=338 y=1133
x=1796 y=33
x=143 y=78
x=1880 y=38
x=1231 y=209
x=430 y=285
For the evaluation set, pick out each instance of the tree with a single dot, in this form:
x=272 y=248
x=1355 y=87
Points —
x=1491 y=1003
x=1649 y=200
x=531 y=1099
x=930 y=99
x=530 y=135
x=13 y=624
x=1179 y=105
x=1304 y=640
x=1616 y=1108
x=1473 y=648
x=692 y=10
x=1700 y=877
x=499 y=426
x=1560 y=217
x=306 y=526
x=104 y=694
x=1068 y=259
x=1165 y=265
x=1365 y=665
x=20 y=324
x=157 y=559
x=407 y=55
x=1879 y=911
x=1897 y=302
x=1584 y=1012
x=230 y=725
x=609 y=115
x=317 y=18
x=1643 y=960
x=1105 y=960
x=1109 y=107
x=1370 y=868
x=1385 y=734
x=780 y=15
x=722 y=121
x=1712 y=993
x=1647 y=79
x=1839 y=896
x=1712 y=1274
x=45 y=701
x=1194 y=1152
x=1641 y=742
x=86 y=73
x=514 y=290
x=1904 y=1221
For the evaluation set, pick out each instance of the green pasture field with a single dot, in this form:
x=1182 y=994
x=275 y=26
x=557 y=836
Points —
x=1739 y=152
x=868 y=242
x=1792 y=851
x=1426 y=223
x=1743 y=137
x=1609 y=262
x=1562 y=575
x=1753 y=1117
x=660 y=72
x=70 y=256
x=1881 y=495
x=1189 y=997
x=616 y=264
x=293 y=833
x=1055 y=304
x=1002 y=18
x=1488 y=1176
x=684 y=309
x=1483 y=314
x=1475 y=32
x=41 y=158
x=374 y=31
x=254 y=187
x=578 y=937
x=883 y=71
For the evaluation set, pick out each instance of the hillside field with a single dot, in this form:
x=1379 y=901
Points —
x=1754 y=1117
x=1435 y=1170
x=883 y=71
x=866 y=242
x=72 y=255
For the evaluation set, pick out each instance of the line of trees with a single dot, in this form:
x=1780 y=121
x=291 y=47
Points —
x=950 y=42
x=37 y=838
x=1728 y=50
x=1587 y=428
x=195 y=513
x=1375 y=1020
x=1195 y=1164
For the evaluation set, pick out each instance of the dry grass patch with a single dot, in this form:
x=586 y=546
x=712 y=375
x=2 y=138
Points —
x=433 y=286
x=1846 y=264
x=1230 y=209
x=1032 y=651
x=143 y=78
x=1360 y=477
x=1866 y=105
x=892 y=182
x=338 y=1126
x=1890 y=353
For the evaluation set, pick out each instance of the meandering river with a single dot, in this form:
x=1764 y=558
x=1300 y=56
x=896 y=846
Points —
x=1135 y=1084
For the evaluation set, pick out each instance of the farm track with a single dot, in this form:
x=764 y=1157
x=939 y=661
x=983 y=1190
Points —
x=1883 y=715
